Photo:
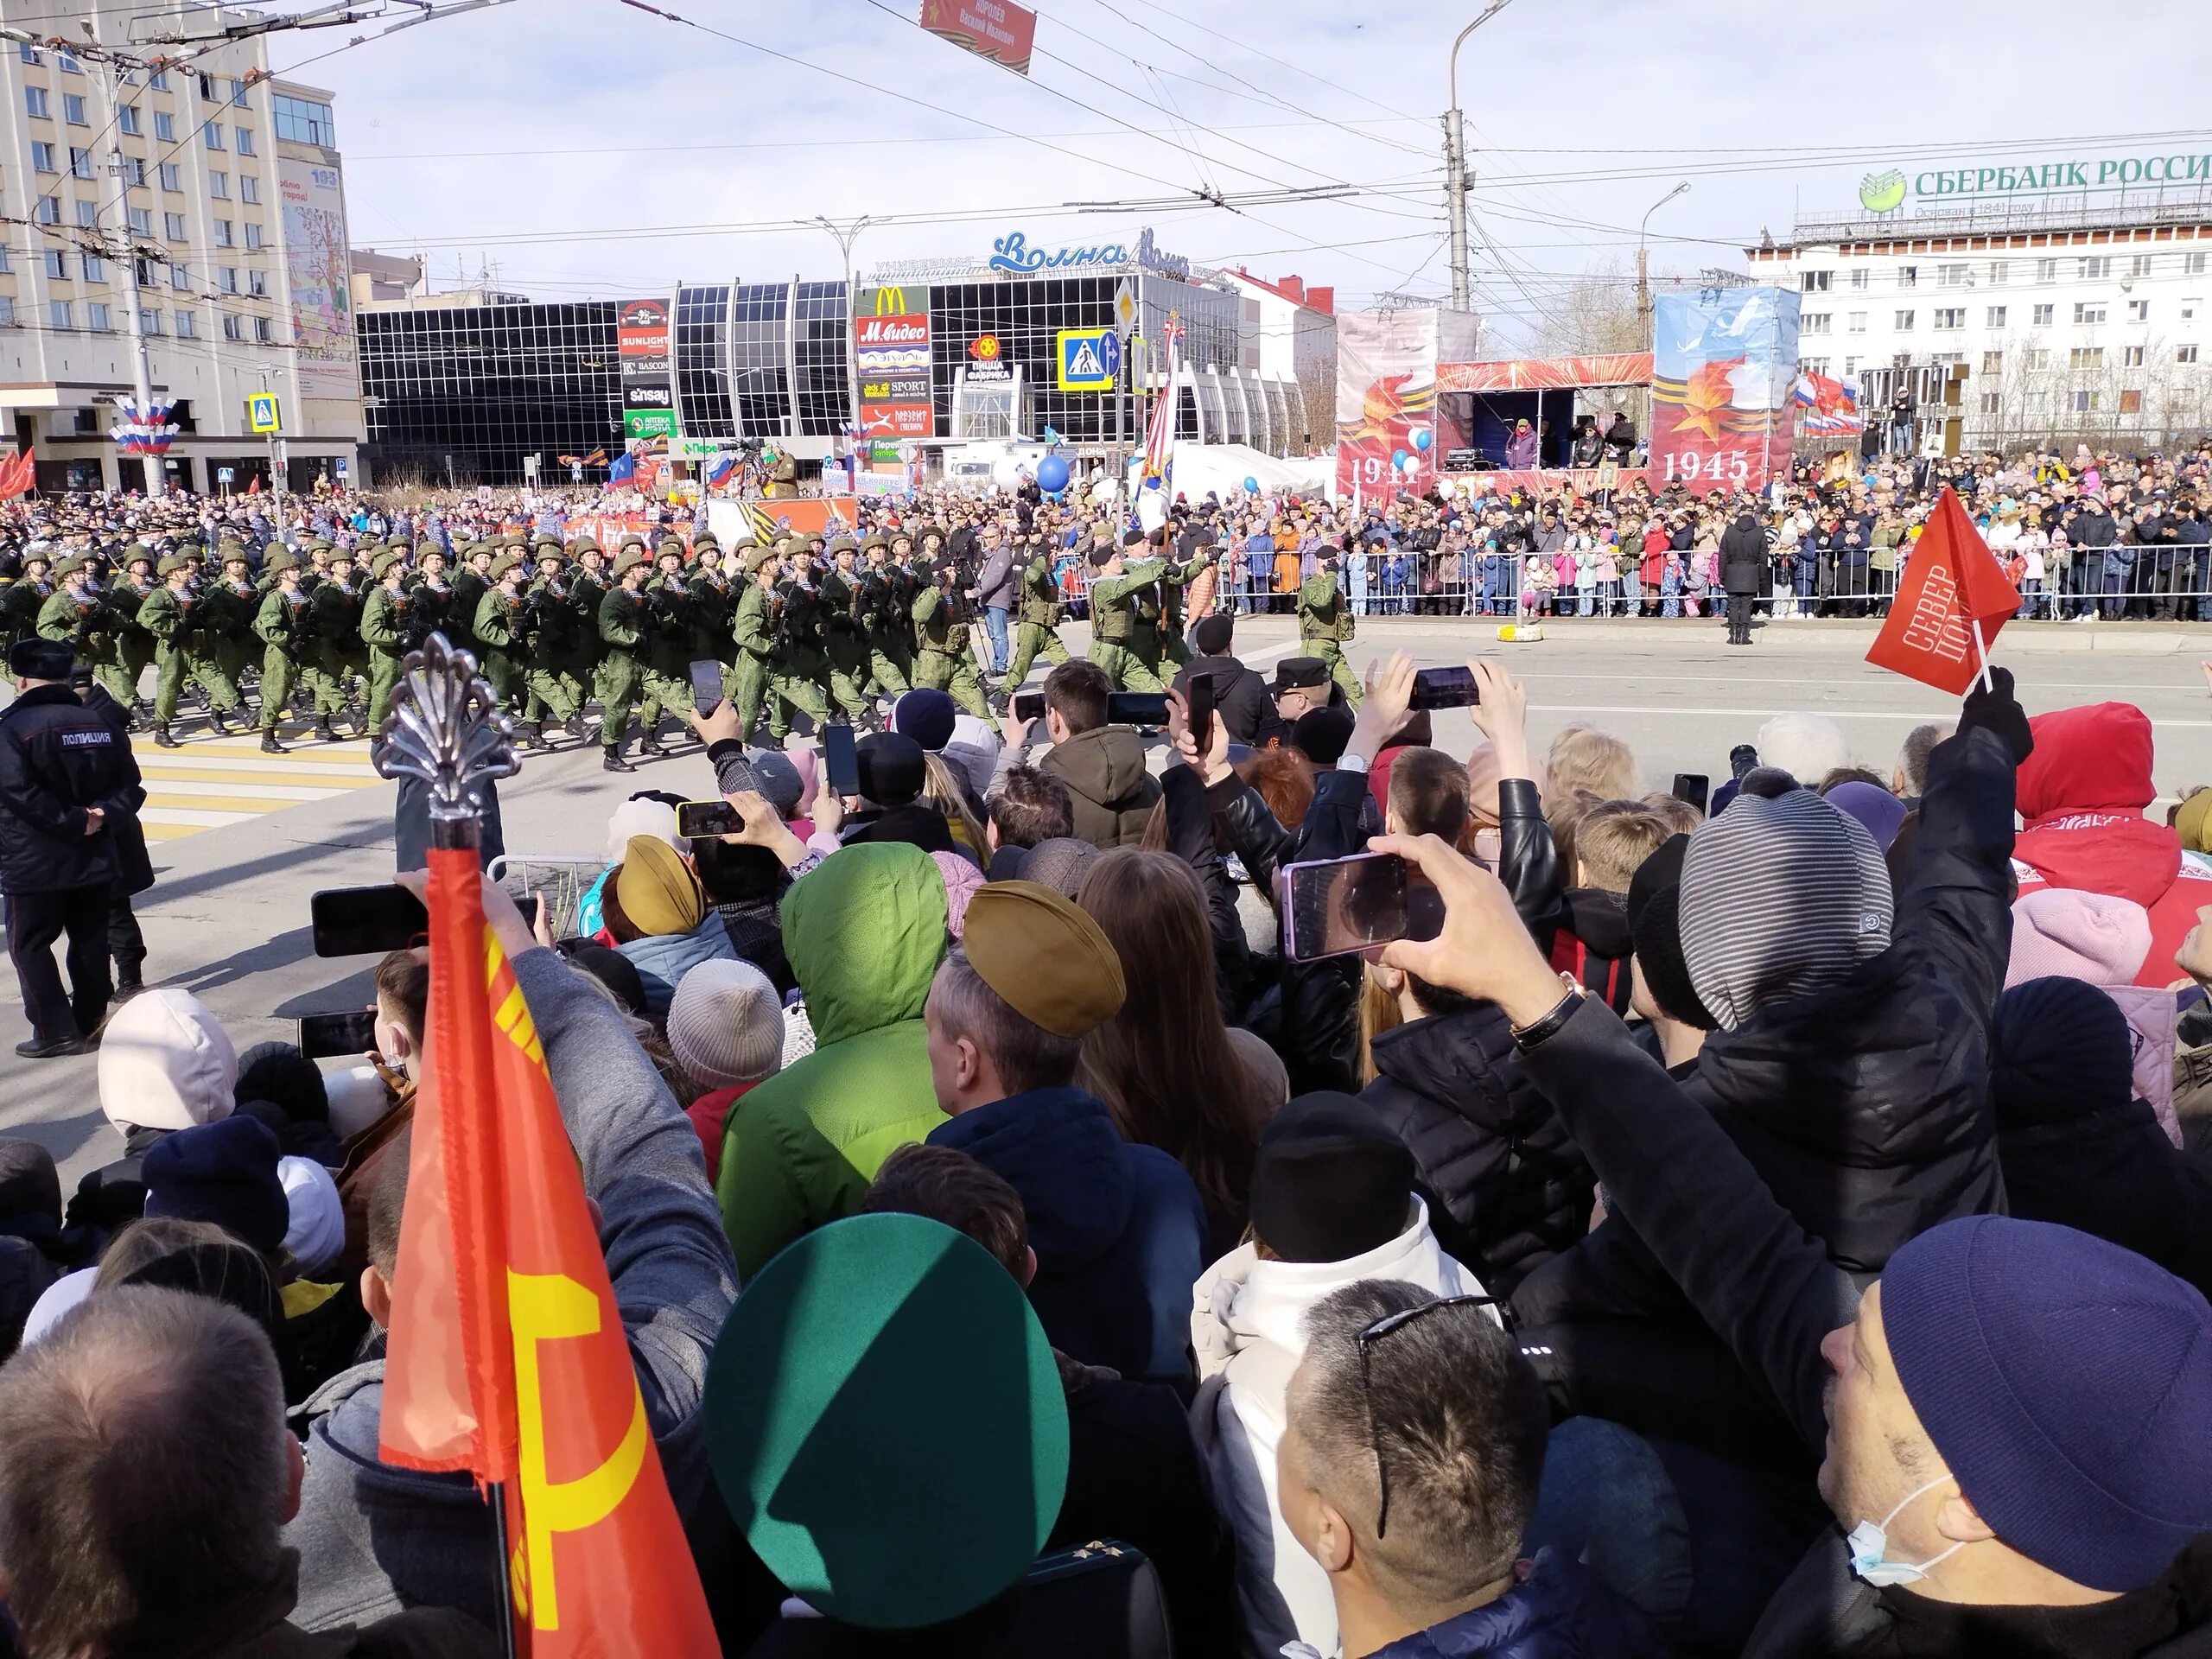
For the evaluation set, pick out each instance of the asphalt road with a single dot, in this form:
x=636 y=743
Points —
x=228 y=916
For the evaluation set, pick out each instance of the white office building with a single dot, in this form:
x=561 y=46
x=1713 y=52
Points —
x=2075 y=294
x=232 y=194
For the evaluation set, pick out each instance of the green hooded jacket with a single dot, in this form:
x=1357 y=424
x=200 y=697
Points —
x=864 y=932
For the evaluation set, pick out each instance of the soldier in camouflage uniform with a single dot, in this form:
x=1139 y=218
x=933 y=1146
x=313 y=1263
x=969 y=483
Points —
x=336 y=610
x=886 y=605
x=588 y=588
x=384 y=610
x=622 y=624
x=22 y=600
x=287 y=658
x=1038 y=633
x=945 y=656
x=224 y=647
x=1115 y=587
x=76 y=614
x=500 y=635
x=844 y=630
x=549 y=651
x=168 y=614
x=669 y=637
x=133 y=653
x=1325 y=622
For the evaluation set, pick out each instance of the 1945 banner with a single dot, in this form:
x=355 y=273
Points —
x=1723 y=362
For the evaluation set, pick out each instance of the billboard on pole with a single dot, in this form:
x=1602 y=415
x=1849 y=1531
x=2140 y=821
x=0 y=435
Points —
x=1386 y=401
x=1724 y=361
x=317 y=278
x=997 y=30
x=642 y=345
x=890 y=354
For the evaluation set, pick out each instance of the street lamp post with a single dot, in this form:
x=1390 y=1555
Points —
x=845 y=235
x=1455 y=161
x=1643 y=279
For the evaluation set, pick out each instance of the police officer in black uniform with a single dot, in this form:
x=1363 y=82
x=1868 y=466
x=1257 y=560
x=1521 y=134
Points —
x=66 y=774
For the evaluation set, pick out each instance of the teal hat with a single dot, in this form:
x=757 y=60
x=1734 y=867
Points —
x=887 y=1422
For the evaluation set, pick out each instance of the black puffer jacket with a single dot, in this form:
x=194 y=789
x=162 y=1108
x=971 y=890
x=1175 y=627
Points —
x=1507 y=1188
x=1865 y=1108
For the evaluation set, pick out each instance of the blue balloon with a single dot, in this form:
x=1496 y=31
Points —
x=1053 y=474
x=1398 y=459
x=1251 y=486
x=1422 y=438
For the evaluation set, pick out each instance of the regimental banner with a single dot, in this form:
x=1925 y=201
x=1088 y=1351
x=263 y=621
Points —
x=997 y=30
x=642 y=338
x=317 y=278
x=1724 y=361
x=891 y=354
x=1386 y=394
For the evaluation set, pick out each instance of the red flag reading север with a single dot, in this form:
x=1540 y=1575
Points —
x=1952 y=585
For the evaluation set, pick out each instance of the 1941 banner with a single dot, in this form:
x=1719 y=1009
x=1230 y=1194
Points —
x=1724 y=361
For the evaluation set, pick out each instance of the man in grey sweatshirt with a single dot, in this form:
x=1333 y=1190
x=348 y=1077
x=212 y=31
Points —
x=374 y=1539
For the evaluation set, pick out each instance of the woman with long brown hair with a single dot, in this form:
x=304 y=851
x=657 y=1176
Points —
x=1173 y=1074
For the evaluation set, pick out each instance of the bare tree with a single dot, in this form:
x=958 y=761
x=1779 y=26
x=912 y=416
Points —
x=1595 y=312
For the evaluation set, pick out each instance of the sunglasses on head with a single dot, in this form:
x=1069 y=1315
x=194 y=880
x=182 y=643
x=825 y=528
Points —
x=1374 y=1333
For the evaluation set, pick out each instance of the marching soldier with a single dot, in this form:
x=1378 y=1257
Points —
x=471 y=582
x=945 y=658
x=887 y=606
x=219 y=652
x=757 y=678
x=133 y=651
x=844 y=630
x=167 y=615
x=588 y=589
x=499 y=630
x=1181 y=572
x=551 y=648
x=429 y=597
x=670 y=638
x=1326 y=621
x=1116 y=586
x=622 y=623
x=336 y=610
x=22 y=600
x=287 y=659
x=798 y=670
x=76 y=614
x=1037 y=631
x=385 y=618
x=712 y=600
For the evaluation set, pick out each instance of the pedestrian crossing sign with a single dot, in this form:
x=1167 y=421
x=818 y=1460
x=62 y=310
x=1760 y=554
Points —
x=1089 y=359
x=261 y=415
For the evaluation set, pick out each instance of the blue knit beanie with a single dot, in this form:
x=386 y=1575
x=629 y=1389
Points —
x=2067 y=1385
x=225 y=1173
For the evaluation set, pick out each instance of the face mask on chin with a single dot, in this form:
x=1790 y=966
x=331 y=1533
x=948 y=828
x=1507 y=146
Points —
x=1869 y=1542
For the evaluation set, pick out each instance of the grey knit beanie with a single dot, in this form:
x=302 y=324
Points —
x=1782 y=894
x=725 y=1024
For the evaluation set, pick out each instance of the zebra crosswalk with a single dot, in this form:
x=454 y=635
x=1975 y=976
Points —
x=212 y=783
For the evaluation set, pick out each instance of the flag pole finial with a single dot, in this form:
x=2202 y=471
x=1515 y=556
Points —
x=445 y=730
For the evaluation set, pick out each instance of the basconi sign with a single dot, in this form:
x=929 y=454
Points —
x=1012 y=253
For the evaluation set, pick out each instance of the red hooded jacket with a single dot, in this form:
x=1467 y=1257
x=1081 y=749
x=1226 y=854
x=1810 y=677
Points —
x=2082 y=796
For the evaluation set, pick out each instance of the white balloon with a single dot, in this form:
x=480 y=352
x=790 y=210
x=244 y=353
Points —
x=1106 y=488
x=1006 y=474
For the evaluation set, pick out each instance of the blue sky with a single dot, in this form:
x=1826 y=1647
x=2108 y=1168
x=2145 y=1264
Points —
x=587 y=147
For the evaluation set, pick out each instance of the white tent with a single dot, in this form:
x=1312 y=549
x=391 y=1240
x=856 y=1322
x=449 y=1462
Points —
x=1223 y=468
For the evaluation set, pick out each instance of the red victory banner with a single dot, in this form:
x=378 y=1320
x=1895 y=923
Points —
x=507 y=1356
x=1951 y=601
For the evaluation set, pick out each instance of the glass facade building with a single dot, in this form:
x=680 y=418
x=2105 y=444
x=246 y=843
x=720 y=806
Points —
x=467 y=392
x=460 y=395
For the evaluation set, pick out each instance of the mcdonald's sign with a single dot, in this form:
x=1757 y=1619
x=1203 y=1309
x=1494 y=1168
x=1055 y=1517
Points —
x=891 y=354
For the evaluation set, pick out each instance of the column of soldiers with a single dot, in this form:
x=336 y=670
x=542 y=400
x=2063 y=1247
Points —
x=830 y=631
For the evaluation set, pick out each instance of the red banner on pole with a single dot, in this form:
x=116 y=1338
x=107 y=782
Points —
x=1953 y=587
x=507 y=1356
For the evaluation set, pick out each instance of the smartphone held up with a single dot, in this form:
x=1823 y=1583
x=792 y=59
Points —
x=1332 y=907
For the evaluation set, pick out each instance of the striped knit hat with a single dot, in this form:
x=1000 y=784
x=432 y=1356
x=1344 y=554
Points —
x=1782 y=894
